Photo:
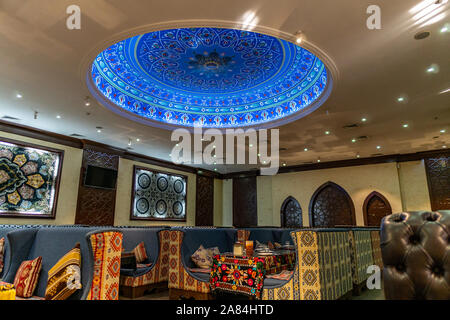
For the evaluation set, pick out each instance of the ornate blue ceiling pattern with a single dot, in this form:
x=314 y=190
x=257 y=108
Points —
x=209 y=77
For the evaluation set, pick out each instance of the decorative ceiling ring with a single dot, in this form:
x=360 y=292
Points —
x=212 y=77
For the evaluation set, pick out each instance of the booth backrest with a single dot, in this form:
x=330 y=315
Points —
x=193 y=238
x=416 y=255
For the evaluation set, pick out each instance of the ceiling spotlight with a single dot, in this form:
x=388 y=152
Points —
x=353 y=140
x=19 y=96
x=358 y=155
x=259 y=154
x=445 y=91
x=434 y=68
x=318 y=160
x=251 y=145
x=444 y=147
x=306 y=149
x=87 y=102
x=327 y=132
x=378 y=147
x=405 y=125
x=363 y=119
x=215 y=169
x=138 y=139
x=445 y=28
x=299 y=37
x=442 y=131
x=99 y=129
x=214 y=147
x=400 y=99
x=284 y=164
x=264 y=162
x=58 y=117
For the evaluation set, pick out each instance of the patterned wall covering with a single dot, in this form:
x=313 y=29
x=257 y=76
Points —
x=375 y=207
x=291 y=213
x=331 y=206
x=205 y=201
x=438 y=174
x=158 y=195
x=29 y=179
x=211 y=77
x=96 y=206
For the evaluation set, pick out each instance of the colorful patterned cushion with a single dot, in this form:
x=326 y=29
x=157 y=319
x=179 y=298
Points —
x=64 y=276
x=2 y=250
x=140 y=253
x=27 y=277
x=213 y=252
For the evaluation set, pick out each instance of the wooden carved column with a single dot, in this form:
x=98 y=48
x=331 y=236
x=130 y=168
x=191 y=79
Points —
x=245 y=202
x=96 y=206
x=204 y=201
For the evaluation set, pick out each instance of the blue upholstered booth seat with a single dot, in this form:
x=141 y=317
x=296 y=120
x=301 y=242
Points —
x=221 y=237
x=132 y=236
x=52 y=244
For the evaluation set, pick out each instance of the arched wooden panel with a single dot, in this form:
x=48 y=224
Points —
x=331 y=206
x=375 y=207
x=291 y=213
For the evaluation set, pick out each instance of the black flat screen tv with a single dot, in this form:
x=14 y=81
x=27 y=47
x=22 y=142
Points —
x=98 y=177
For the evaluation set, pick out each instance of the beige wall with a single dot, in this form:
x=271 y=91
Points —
x=227 y=203
x=123 y=195
x=358 y=181
x=68 y=189
x=414 y=187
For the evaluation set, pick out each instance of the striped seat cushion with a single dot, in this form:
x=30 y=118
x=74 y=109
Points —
x=64 y=276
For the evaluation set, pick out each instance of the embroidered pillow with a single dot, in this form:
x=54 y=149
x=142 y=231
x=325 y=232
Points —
x=2 y=252
x=202 y=257
x=64 y=277
x=27 y=276
x=140 y=253
x=213 y=252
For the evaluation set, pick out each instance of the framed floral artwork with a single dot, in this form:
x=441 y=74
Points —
x=29 y=179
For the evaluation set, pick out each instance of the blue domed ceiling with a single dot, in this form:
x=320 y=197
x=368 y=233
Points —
x=210 y=77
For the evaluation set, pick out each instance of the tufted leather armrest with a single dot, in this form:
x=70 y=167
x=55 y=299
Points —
x=416 y=254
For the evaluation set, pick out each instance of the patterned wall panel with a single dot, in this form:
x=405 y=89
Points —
x=331 y=206
x=158 y=195
x=375 y=207
x=291 y=214
x=29 y=179
x=96 y=206
x=438 y=175
x=244 y=202
x=205 y=201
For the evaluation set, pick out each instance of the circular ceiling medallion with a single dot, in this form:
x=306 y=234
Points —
x=209 y=77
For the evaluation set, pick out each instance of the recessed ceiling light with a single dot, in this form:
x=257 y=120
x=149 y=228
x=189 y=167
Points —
x=259 y=154
x=353 y=140
x=215 y=156
x=251 y=145
x=284 y=164
x=99 y=130
x=299 y=37
x=264 y=162
x=318 y=160
x=445 y=147
x=363 y=119
x=445 y=29
x=401 y=99
x=327 y=132
x=378 y=147
x=358 y=155
x=434 y=68
x=442 y=131
x=215 y=169
x=405 y=125
x=214 y=147
x=58 y=117
x=138 y=139
x=306 y=149
x=19 y=96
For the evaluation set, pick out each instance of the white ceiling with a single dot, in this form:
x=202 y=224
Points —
x=43 y=60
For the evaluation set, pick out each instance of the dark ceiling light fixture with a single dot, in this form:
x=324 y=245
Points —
x=422 y=35
x=10 y=118
x=350 y=126
x=76 y=135
x=35 y=115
